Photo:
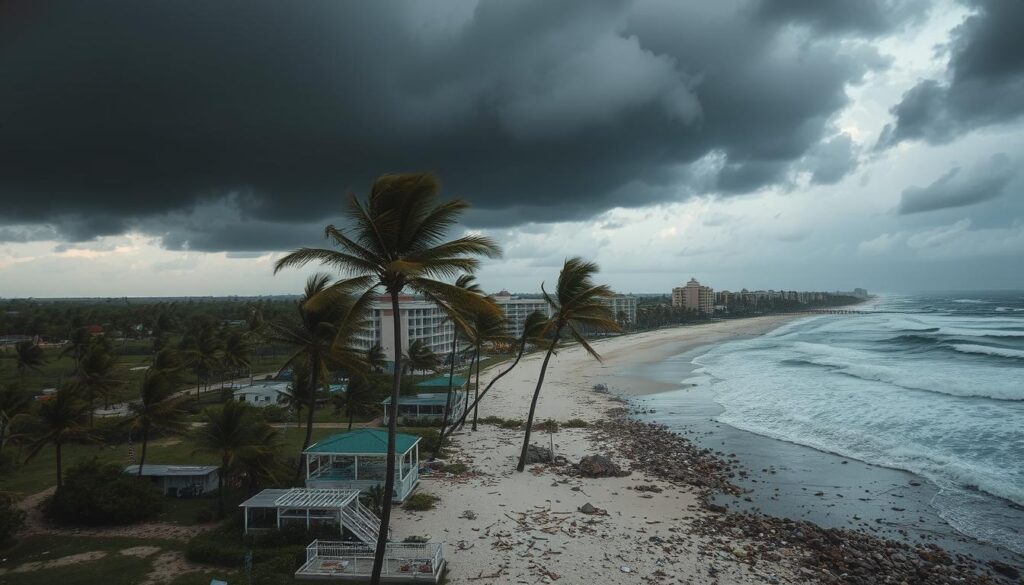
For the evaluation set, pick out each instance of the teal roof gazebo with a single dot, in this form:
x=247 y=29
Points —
x=440 y=383
x=358 y=460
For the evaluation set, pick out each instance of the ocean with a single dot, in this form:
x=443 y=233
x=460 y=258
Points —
x=931 y=384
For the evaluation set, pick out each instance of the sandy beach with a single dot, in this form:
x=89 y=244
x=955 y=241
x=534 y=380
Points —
x=499 y=526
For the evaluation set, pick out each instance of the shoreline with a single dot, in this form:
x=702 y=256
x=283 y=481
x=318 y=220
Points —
x=657 y=524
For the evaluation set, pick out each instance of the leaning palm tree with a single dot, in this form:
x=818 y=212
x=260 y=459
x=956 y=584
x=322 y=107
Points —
x=376 y=360
x=533 y=328
x=322 y=339
x=62 y=418
x=300 y=393
x=420 y=358
x=577 y=303
x=462 y=323
x=358 y=399
x=261 y=463
x=13 y=402
x=28 y=356
x=157 y=409
x=396 y=243
x=488 y=329
x=96 y=377
x=230 y=432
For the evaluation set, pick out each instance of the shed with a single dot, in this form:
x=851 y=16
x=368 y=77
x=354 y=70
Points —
x=358 y=460
x=180 y=481
x=263 y=393
x=426 y=408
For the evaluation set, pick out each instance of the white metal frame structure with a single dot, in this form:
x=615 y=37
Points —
x=343 y=561
x=315 y=506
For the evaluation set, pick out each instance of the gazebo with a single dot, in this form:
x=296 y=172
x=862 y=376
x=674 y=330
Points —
x=357 y=460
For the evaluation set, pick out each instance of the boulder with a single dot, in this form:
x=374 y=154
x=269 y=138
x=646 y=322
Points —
x=599 y=466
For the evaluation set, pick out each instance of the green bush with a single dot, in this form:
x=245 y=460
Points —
x=511 y=424
x=575 y=423
x=97 y=494
x=550 y=426
x=12 y=519
x=420 y=502
x=456 y=468
x=491 y=420
x=275 y=414
x=226 y=546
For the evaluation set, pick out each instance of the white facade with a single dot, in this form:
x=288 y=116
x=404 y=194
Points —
x=263 y=393
x=623 y=308
x=517 y=309
x=419 y=319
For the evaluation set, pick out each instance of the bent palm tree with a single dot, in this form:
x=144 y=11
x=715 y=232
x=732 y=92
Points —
x=396 y=243
x=420 y=358
x=533 y=328
x=461 y=323
x=62 y=419
x=357 y=399
x=577 y=303
x=488 y=327
x=231 y=433
x=156 y=409
x=28 y=356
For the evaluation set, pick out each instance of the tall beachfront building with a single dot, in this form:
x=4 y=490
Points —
x=624 y=309
x=694 y=297
x=516 y=309
x=419 y=319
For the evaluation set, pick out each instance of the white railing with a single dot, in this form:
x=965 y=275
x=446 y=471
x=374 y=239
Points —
x=412 y=561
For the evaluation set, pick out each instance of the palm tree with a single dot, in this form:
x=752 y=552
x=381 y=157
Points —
x=395 y=244
x=533 y=327
x=375 y=358
x=357 y=400
x=578 y=302
x=322 y=338
x=488 y=328
x=231 y=432
x=77 y=345
x=420 y=358
x=301 y=392
x=204 y=354
x=96 y=377
x=236 y=353
x=462 y=323
x=28 y=356
x=261 y=463
x=62 y=419
x=156 y=409
x=13 y=402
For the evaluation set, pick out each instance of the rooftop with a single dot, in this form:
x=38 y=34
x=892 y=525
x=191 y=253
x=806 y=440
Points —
x=302 y=498
x=165 y=470
x=426 y=399
x=442 y=382
x=363 y=442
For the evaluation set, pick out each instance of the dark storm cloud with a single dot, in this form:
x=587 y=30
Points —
x=237 y=125
x=958 y=188
x=985 y=85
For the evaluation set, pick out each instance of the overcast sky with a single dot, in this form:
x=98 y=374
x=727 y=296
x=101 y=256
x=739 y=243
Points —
x=172 y=148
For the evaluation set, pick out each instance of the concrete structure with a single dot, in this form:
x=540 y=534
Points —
x=624 y=309
x=517 y=309
x=356 y=460
x=694 y=297
x=419 y=319
x=263 y=393
x=180 y=481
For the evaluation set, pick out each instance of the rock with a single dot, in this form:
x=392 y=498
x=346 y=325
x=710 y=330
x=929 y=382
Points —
x=599 y=466
x=740 y=552
x=589 y=508
x=1004 y=569
x=468 y=515
x=625 y=569
x=538 y=454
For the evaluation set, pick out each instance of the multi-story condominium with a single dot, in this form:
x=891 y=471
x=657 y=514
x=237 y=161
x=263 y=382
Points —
x=694 y=297
x=419 y=319
x=624 y=308
x=516 y=309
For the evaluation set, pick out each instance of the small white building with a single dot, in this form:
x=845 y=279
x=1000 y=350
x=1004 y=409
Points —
x=181 y=481
x=263 y=393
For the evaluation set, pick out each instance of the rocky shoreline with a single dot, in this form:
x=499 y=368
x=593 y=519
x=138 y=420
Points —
x=816 y=554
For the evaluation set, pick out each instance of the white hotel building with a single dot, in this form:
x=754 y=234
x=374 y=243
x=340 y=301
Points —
x=516 y=309
x=419 y=319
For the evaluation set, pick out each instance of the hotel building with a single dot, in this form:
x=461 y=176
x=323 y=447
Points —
x=419 y=319
x=694 y=297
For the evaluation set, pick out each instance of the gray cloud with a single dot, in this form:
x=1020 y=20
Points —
x=957 y=188
x=117 y=118
x=986 y=84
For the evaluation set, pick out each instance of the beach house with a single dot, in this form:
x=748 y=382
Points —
x=181 y=481
x=428 y=404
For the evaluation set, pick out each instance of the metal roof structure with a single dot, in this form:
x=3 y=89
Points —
x=149 y=470
x=427 y=399
x=302 y=498
x=363 y=442
x=442 y=382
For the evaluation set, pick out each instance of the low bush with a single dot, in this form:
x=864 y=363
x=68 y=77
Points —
x=12 y=519
x=420 y=502
x=97 y=494
x=511 y=423
x=550 y=426
x=226 y=546
x=275 y=414
x=491 y=420
x=456 y=468
x=575 y=423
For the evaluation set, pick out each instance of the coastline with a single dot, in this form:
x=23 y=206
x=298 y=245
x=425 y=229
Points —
x=500 y=526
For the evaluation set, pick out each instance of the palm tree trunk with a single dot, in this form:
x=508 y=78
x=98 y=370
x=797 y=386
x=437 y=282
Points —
x=145 y=442
x=350 y=419
x=533 y=403
x=60 y=478
x=462 y=419
x=476 y=389
x=469 y=378
x=448 y=398
x=389 y=476
x=314 y=377
x=220 y=485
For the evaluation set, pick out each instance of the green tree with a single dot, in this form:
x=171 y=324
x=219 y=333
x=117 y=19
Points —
x=232 y=432
x=420 y=358
x=237 y=353
x=462 y=324
x=157 y=409
x=396 y=244
x=77 y=345
x=358 y=399
x=96 y=377
x=62 y=419
x=577 y=303
x=488 y=328
x=28 y=356
x=13 y=402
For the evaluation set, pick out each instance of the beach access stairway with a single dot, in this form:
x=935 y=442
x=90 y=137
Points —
x=361 y=522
